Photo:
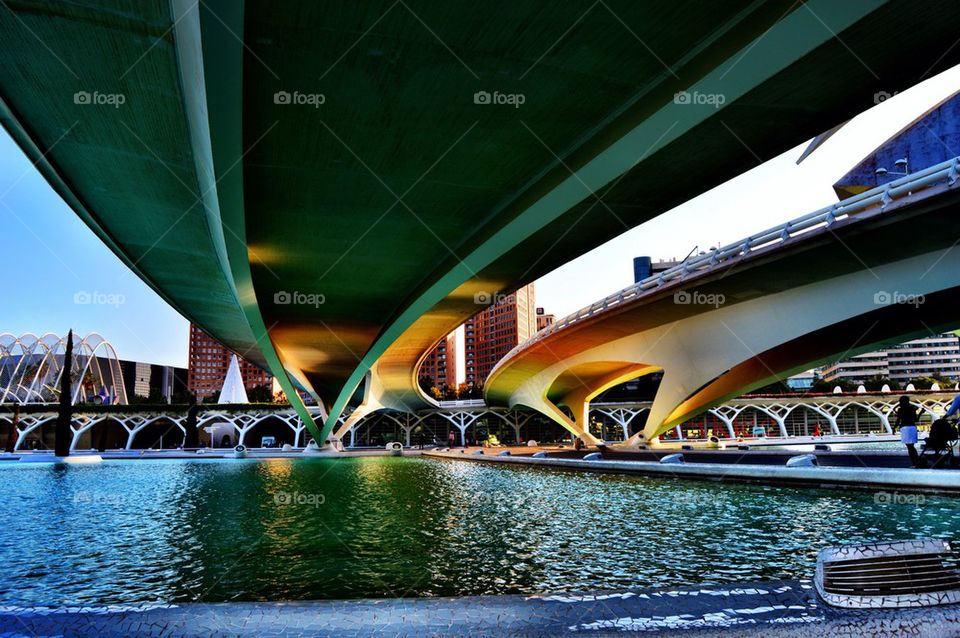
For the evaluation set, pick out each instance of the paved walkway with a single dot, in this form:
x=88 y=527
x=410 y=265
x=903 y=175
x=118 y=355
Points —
x=778 y=609
x=740 y=467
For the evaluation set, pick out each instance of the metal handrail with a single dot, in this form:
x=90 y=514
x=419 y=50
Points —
x=824 y=217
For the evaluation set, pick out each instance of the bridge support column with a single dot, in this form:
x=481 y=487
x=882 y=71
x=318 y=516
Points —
x=578 y=399
x=461 y=420
x=622 y=417
x=371 y=403
x=782 y=425
x=727 y=422
x=832 y=420
x=132 y=434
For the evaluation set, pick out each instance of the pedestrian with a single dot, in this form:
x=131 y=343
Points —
x=817 y=431
x=451 y=439
x=907 y=424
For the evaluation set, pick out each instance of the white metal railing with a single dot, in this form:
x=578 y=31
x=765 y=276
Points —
x=823 y=218
x=462 y=403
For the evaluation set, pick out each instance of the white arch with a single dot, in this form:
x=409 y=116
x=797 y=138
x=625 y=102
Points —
x=144 y=422
x=260 y=418
x=49 y=370
x=622 y=416
x=36 y=423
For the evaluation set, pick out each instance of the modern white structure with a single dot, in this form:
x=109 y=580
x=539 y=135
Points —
x=233 y=390
x=785 y=417
x=746 y=315
x=31 y=366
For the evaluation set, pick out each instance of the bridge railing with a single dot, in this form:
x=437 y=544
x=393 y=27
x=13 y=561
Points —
x=823 y=218
x=462 y=403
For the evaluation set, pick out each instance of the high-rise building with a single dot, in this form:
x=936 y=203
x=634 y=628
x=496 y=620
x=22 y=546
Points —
x=936 y=355
x=544 y=320
x=491 y=334
x=146 y=380
x=486 y=338
x=439 y=368
x=209 y=360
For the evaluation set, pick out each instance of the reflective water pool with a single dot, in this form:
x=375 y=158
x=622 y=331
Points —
x=141 y=531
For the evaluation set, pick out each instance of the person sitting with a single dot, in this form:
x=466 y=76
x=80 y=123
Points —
x=940 y=441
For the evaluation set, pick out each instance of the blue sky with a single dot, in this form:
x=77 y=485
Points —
x=58 y=275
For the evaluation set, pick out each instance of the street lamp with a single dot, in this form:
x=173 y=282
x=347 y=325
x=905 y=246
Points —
x=902 y=164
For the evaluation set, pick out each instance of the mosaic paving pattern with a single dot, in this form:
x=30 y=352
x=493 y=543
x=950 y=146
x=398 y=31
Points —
x=780 y=609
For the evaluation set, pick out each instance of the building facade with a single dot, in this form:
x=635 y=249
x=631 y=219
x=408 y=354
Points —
x=544 y=320
x=491 y=334
x=439 y=368
x=937 y=355
x=165 y=384
x=486 y=338
x=209 y=360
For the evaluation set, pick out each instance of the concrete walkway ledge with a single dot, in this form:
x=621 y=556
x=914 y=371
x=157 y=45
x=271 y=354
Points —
x=870 y=478
x=773 y=609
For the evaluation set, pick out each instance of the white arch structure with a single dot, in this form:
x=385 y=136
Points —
x=829 y=408
x=31 y=367
x=135 y=423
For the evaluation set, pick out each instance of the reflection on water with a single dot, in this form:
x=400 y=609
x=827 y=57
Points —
x=139 y=531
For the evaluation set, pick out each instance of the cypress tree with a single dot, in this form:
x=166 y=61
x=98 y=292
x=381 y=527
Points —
x=62 y=434
x=192 y=437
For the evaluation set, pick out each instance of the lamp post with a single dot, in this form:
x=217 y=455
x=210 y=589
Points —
x=902 y=164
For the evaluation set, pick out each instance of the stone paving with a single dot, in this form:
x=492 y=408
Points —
x=775 y=609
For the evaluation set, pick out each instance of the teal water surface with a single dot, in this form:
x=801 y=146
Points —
x=210 y=530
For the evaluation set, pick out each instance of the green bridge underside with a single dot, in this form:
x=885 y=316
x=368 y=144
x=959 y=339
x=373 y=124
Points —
x=400 y=197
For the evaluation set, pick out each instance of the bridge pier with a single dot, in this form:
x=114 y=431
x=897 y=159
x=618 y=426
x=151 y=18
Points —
x=461 y=420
